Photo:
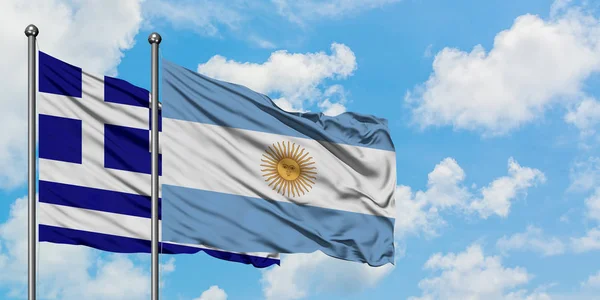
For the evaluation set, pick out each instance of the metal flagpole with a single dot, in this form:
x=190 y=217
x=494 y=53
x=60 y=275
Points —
x=31 y=32
x=154 y=39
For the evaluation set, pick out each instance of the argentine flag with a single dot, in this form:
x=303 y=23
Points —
x=94 y=165
x=243 y=175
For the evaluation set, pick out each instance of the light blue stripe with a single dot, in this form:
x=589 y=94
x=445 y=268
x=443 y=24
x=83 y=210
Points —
x=245 y=224
x=190 y=96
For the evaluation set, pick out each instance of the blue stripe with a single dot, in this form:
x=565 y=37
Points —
x=121 y=244
x=245 y=224
x=190 y=96
x=120 y=91
x=96 y=199
x=60 y=138
x=58 y=77
x=128 y=149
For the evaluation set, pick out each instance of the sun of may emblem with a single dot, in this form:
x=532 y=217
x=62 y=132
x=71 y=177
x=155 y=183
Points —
x=289 y=169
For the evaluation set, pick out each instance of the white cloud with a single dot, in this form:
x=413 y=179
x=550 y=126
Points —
x=524 y=295
x=168 y=267
x=446 y=191
x=296 y=77
x=586 y=116
x=428 y=51
x=303 y=274
x=444 y=188
x=261 y=42
x=592 y=282
x=585 y=175
x=589 y=242
x=332 y=109
x=592 y=204
x=301 y=11
x=496 y=197
x=286 y=105
x=335 y=99
x=68 y=30
x=533 y=65
x=420 y=212
x=213 y=293
x=217 y=18
x=414 y=215
x=201 y=16
x=559 y=6
x=211 y=17
x=532 y=239
x=472 y=275
x=66 y=271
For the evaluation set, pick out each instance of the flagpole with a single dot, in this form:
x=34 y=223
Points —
x=154 y=39
x=31 y=32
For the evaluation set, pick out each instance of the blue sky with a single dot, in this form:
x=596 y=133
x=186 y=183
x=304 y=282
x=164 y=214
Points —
x=493 y=108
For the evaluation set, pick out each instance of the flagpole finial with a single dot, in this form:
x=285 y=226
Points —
x=154 y=38
x=33 y=30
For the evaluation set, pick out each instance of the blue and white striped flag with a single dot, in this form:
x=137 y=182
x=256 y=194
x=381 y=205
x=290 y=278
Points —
x=243 y=175
x=94 y=165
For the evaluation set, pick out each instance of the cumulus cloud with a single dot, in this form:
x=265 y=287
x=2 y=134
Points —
x=592 y=204
x=532 y=66
x=302 y=11
x=585 y=116
x=472 y=275
x=294 y=79
x=168 y=266
x=335 y=99
x=302 y=274
x=592 y=282
x=213 y=293
x=415 y=214
x=532 y=239
x=68 y=30
x=420 y=211
x=585 y=175
x=66 y=271
x=589 y=242
x=496 y=196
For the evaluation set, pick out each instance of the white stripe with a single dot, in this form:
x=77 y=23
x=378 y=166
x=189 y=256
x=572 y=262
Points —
x=96 y=176
x=110 y=223
x=227 y=160
x=94 y=221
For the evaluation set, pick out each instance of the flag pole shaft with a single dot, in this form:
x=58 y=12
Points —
x=154 y=39
x=31 y=32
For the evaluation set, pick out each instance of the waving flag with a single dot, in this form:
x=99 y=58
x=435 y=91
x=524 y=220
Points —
x=243 y=175
x=94 y=165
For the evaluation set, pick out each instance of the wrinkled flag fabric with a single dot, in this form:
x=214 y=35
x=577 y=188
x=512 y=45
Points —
x=94 y=165
x=243 y=175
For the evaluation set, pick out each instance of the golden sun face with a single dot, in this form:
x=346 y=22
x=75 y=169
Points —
x=288 y=169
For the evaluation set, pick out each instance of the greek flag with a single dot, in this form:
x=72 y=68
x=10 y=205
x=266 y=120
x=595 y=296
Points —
x=94 y=165
x=243 y=175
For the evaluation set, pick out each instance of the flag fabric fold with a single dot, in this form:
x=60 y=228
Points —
x=94 y=165
x=243 y=175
